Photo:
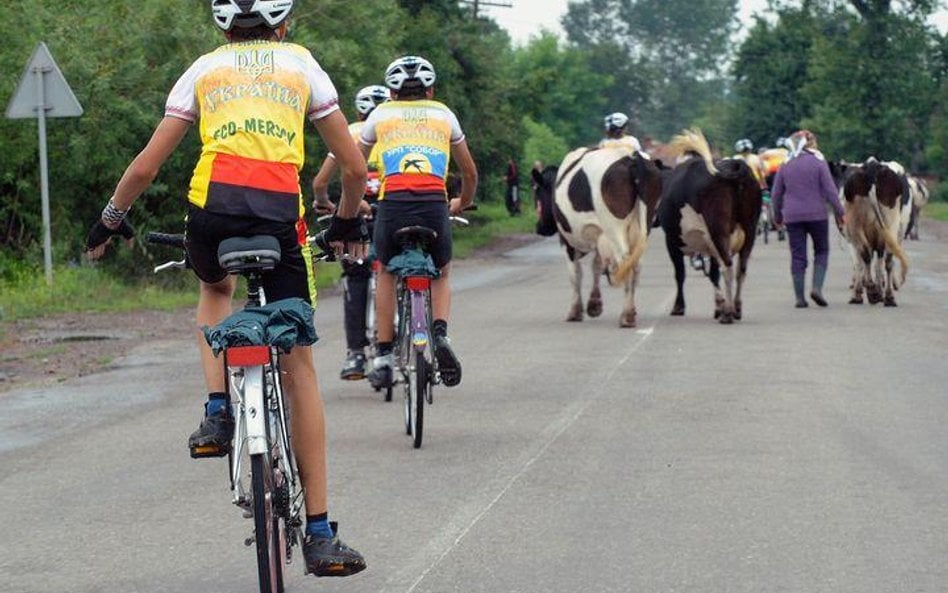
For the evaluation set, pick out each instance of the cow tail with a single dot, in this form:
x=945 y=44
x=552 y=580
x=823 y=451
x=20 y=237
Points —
x=890 y=238
x=694 y=141
x=638 y=250
x=893 y=245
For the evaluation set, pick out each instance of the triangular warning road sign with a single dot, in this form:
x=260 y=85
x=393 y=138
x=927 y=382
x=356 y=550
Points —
x=58 y=97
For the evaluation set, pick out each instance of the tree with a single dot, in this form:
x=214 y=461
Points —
x=682 y=44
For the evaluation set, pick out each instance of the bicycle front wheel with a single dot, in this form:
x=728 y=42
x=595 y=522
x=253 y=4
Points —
x=265 y=525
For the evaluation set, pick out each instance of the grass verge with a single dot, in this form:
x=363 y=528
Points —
x=937 y=210
x=91 y=289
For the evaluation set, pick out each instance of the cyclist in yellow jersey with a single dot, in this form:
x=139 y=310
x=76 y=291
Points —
x=744 y=150
x=355 y=275
x=251 y=98
x=615 y=126
x=416 y=138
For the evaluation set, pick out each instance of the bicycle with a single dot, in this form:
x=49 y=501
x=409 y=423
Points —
x=371 y=327
x=414 y=363
x=268 y=488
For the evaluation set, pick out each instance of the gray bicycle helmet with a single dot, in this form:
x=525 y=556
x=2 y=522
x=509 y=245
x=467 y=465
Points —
x=245 y=14
x=615 y=122
x=743 y=145
x=370 y=97
x=409 y=71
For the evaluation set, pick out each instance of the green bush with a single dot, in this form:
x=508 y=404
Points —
x=940 y=192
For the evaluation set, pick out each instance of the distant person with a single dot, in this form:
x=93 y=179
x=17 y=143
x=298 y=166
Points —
x=802 y=189
x=512 y=178
x=616 y=137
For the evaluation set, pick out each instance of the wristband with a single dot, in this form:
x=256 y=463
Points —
x=111 y=215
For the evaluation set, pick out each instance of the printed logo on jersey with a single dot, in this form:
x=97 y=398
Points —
x=255 y=62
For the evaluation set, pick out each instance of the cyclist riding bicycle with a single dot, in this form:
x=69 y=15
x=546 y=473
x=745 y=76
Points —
x=416 y=138
x=355 y=275
x=251 y=98
x=615 y=125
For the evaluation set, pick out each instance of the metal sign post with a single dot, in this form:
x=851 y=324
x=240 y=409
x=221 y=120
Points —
x=46 y=95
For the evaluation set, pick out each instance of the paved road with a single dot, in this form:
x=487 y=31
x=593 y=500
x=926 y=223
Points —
x=796 y=451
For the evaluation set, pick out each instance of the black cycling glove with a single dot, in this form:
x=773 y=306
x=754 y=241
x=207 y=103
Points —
x=99 y=233
x=349 y=230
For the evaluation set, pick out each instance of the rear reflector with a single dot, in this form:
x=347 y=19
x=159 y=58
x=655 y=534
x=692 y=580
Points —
x=418 y=282
x=248 y=356
x=376 y=266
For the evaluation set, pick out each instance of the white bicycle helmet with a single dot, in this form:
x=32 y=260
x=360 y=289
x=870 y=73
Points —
x=371 y=97
x=616 y=121
x=409 y=71
x=245 y=14
x=743 y=145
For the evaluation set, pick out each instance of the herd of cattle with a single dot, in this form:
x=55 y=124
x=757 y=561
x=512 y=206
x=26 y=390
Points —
x=604 y=202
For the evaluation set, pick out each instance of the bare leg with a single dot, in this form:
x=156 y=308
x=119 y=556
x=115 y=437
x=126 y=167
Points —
x=214 y=305
x=441 y=295
x=385 y=306
x=308 y=424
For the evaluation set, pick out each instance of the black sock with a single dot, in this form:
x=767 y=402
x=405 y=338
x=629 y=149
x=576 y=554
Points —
x=439 y=327
x=385 y=348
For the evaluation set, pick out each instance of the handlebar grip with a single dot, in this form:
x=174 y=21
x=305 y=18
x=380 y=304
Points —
x=170 y=239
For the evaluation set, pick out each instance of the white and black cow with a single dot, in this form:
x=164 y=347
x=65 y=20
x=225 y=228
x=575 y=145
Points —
x=710 y=208
x=603 y=200
x=876 y=198
x=919 y=194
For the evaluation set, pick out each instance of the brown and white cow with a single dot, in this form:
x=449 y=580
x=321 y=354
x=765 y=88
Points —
x=710 y=208
x=875 y=198
x=603 y=200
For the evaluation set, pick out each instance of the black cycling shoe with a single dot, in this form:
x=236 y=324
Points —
x=354 y=367
x=329 y=557
x=213 y=438
x=449 y=367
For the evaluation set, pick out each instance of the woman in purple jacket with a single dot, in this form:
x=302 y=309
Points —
x=802 y=190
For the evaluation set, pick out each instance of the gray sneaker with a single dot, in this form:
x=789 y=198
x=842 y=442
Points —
x=381 y=374
x=329 y=557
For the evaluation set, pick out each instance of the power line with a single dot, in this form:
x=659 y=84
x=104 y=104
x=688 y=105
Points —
x=476 y=4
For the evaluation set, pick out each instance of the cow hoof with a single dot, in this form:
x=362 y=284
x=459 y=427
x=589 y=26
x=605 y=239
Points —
x=594 y=307
x=575 y=317
x=855 y=301
x=726 y=318
x=627 y=320
x=737 y=315
x=718 y=314
x=678 y=311
x=874 y=297
x=890 y=302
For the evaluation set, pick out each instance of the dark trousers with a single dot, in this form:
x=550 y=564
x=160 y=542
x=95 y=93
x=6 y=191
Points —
x=818 y=230
x=355 y=282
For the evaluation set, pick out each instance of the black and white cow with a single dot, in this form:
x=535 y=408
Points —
x=919 y=194
x=603 y=200
x=876 y=198
x=710 y=208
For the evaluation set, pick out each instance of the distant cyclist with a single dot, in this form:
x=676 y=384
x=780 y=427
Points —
x=355 y=276
x=416 y=137
x=251 y=98
x=615 y=125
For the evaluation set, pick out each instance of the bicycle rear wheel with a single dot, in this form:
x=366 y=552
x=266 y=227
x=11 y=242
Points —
x=419 y=371
x=265 y=524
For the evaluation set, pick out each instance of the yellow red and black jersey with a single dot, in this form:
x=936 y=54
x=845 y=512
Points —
x=413 y=140
x=626 y=142
x=251 y=100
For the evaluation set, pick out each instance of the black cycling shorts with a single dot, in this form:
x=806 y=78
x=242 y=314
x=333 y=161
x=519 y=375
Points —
x=293 y=276
x=393 y=215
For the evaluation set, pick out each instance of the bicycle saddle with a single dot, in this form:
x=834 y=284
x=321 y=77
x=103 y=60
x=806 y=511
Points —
x=416 y=235
x=249 y=254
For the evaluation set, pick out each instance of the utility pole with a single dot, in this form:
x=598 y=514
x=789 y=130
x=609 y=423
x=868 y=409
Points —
x=476 y=4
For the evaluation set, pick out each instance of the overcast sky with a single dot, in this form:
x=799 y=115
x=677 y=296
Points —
x=527 y=17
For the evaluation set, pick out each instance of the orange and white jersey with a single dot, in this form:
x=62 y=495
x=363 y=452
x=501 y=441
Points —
x=252 y=100
x=414 y=140
x=629 y=143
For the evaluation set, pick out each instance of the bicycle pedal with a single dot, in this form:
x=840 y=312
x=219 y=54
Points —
x=205 y=451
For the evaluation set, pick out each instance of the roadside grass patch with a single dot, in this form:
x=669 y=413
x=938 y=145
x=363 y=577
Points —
x=937 y=210
x=82 y=289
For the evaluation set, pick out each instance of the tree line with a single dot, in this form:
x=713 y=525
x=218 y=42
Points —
x=868 y=76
